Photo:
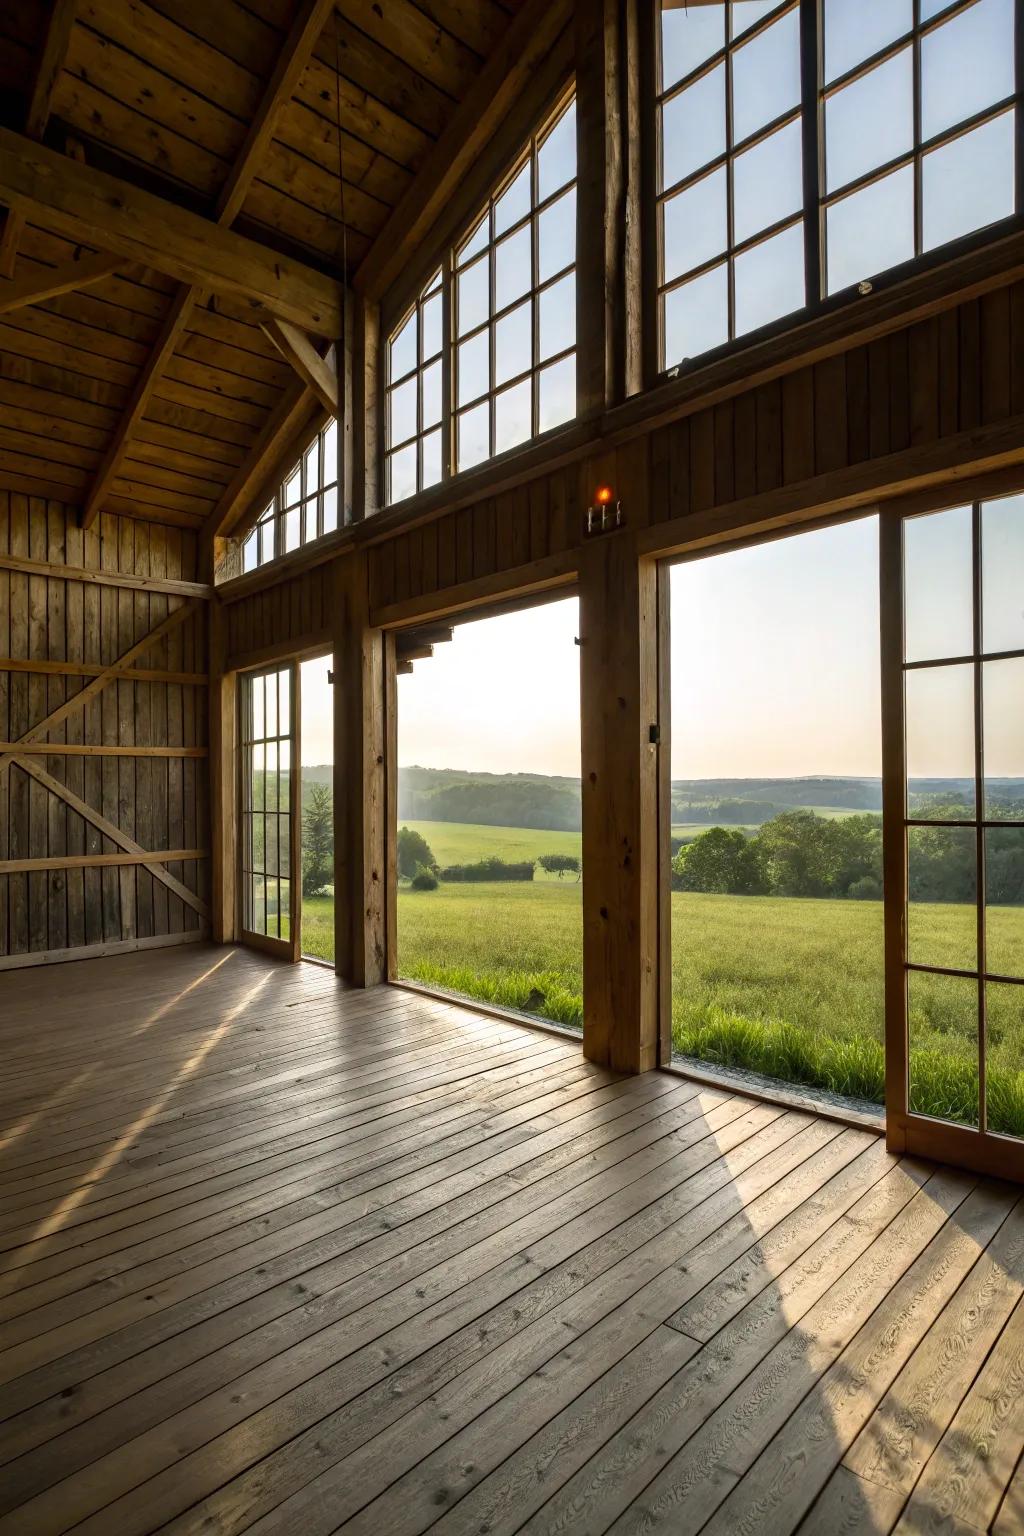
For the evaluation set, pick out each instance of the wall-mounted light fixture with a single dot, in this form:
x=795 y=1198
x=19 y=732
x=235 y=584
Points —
x=605 y=514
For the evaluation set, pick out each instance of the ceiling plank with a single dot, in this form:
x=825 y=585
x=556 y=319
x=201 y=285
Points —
x=51 y=282
x=297 y=350
x=294 y=412
x=479 y=118
x=88 y=206
x=52 y=54
x=292 y=60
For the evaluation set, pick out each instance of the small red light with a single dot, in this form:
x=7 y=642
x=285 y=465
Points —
x=604 y=495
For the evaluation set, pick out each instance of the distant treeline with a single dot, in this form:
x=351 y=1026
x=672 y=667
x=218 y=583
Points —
x=487 y=870
x=489 y=799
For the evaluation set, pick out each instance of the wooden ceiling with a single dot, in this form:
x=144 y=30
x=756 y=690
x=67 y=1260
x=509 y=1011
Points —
x=140 y=394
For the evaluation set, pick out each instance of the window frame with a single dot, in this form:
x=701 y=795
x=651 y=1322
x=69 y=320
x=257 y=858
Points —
x=816 y=199
x=451 y=411
x=272 y=520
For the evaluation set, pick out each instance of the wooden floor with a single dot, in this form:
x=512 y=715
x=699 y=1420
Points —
x=279 y=1257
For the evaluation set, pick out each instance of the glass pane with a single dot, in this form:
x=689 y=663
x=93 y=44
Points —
x=430 y=338
x=1002 y=684
x=556 y=157
x=402 y=473
x=695 y=225
x=514 y=204
x=292 y=488
x=767 y=182
x=435 y=282
x=968 y=183
x=474 y=295
x=693 y=127
x=966 y=65
x=330 y=509
x=259 y=904
x=943 y=1020
x=871 y=231
x=291 y=529
x=513 y=267
x=857 y=29
x=556 y=237
x=266 y=542
x=313 y=467
x=475 y=243
x=938 y=599
x=1004 y=1058
x=250 y=552
x=430 y=395
x=271 y=854
x=766 y=76
x=690 y=34
x=473 y=367
x=870 y=121
x=513 y=343
x=283 y=705
x=513 y=410
x=402 y=412
x=558 y=317
x=747 y=13
x=284 y=906
x=942 y=915
x=431 y=459
x=1002 y=563
x=273 y=909
x=770 y=280
x=284 y=750
x=1004 y=896
x=259 y=711
x=940 y=743
x=557 y=397
x=309 y=521
x=474 y=442
x=270 y=761
x=330 y=453
x=259 y=778
x=284 y=846
x=402 y=352
x=696 y=316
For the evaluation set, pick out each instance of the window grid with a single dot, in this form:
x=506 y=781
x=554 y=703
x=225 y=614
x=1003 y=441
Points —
x=980 y=824
x=428 y=432
x=552 y=394
x=303 y=509
x=724 y=58
x=671 y=271
x=913 y=42
x=266 y=734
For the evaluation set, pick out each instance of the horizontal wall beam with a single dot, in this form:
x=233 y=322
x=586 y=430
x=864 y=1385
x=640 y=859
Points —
x=97 y=669
x=69 y=749
x=101 y=860
x=99 y=951
x=106 y=578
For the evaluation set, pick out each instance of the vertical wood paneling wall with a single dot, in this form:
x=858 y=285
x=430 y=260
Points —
x=159 y=802
x=295 y=612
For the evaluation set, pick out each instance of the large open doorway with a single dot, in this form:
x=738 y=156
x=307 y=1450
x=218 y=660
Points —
x=777 y=933
x=488 y=840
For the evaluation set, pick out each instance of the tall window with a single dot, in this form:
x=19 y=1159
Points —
x=730 y=206
x=773 y=193
x=304 y=508
x=416 y=455
x=917 y=108
x=504 y=303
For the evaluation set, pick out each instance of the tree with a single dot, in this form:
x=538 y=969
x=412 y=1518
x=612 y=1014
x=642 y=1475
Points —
x=424 y=880
x=318 y=840
x=722 y=861
x=413 y=853
x=560 y=864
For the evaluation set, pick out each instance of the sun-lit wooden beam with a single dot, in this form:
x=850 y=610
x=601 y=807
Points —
x=54 y=49
x=292 y=60
x=298 y=351
x=292 y=413
x=508 y=69
x=50 y=282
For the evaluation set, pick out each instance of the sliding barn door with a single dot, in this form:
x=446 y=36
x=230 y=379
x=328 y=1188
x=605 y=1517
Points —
x=953 y=754
x=270 y=811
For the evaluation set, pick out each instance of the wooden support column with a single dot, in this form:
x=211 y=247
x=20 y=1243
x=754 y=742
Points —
x=366 y=491
x=223 y=782
x=619 y=708
x=360 y=780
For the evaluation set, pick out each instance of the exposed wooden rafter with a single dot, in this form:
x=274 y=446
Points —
x=295 y=411
x=527 y=42
x=294 y=56
x=51 y=282
x=299 y=352
x=54 y=49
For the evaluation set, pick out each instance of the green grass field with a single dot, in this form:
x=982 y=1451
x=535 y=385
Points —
x=456 y=842
x=789 y=987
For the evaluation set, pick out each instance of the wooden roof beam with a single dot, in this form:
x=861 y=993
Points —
x=316 y=371
x=509 y=68
x=292 y=60
x=92 y=208
x=48 y=67
x=50 y=282
x=295 y=411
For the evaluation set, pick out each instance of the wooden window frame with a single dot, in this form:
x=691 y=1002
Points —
x=449 y=268
x=816 y=201
x=289 y=948
x=271 y=522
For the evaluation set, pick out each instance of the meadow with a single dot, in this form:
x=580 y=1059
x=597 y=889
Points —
x=789 y=987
